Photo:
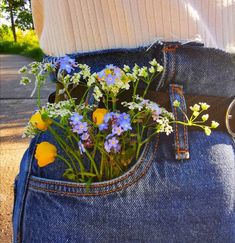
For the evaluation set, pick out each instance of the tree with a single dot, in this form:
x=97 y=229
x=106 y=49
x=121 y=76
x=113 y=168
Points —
x=19 y=13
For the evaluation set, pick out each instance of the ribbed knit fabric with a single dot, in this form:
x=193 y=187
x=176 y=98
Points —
x=67 y=26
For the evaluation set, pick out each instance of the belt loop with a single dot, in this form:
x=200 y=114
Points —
x=180 y=131
x=169 y=64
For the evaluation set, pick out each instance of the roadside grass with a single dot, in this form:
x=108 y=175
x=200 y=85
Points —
x=26 y=45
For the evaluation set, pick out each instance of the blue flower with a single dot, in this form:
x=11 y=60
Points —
x=108 y=116
x=80 y=128
x=101 y=74
x=103 y=126
x=110 y=66
x=66 y=63
x=85 y=136
x=76 y=119
x=110 y=79
x=117 y=130
x=112 y=144
x=110 y=74
x=81 y=147
x=124 y=121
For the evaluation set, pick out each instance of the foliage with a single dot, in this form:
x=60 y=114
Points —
x=26 y=45
x=21 y=11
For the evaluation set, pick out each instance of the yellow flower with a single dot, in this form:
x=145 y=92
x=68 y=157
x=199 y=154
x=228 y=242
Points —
x=45 y=153
x=98 y=115
x=37 y=121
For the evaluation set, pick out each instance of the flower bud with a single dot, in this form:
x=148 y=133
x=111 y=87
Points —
x=205 y=117
x=45 y=153
x=214 y=124
x=207 y=131
x=98 y=115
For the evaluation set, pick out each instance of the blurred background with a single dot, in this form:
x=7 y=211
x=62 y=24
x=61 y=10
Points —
x=17 y=35
x=18 y=47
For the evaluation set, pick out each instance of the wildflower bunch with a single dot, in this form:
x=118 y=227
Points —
x=100 y=141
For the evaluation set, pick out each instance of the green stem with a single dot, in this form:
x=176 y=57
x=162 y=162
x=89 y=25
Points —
x=135 y=89
x=39 y=95
x=64 y=146
x=92 y=162
x=114 y=103
x=65 y=160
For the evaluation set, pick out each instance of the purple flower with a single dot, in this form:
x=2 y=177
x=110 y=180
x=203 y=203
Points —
x=80 y=128
x=110 y=79
x=103 y=126
x=110 y=66
x=117 y=130
x=126 y=126
x=76 y=119
x=66 y=63
x=81 y=147
x=101 y=74
x=112 y=144
x=110 y=74
x=111 y=115
x=125 y=121
x=85 y=136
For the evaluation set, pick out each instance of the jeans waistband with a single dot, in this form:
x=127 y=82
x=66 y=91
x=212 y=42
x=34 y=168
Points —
x=202 y=71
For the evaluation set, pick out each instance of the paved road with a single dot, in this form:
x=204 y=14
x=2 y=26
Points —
x=16 y=107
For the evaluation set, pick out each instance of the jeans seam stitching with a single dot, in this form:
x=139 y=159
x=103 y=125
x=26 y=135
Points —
x=96 y=186
x=107 y=191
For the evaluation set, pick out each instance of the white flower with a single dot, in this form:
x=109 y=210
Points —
x=49 y=67
x=132 y=105
x=214 y=124
x=91 y=80
x=176 y=103
x=23 y=69
x=152 y=70
x=205 y=117
x=159 y=68
x=195 y=113
x=66 y=79
x=76 y=78
x=196 y=107
x=25 y=81
x=207 y=131
x=126 y=68
x=143 y=72
x=132 y=77
x=30 y=131
x=60 y=109
x=97 y=93
x=168 y=129
x=204 y=106
x=153 y=62
x=85 y=70
x=135 y=69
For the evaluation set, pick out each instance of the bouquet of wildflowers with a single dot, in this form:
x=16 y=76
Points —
x=100 y=141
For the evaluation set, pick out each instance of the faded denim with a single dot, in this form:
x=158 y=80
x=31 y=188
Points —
x=160 y=199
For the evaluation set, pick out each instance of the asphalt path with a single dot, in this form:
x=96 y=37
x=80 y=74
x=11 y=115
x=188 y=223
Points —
x=16 y=107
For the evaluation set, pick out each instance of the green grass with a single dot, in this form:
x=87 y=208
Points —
x=10 y=47
x=26 y=45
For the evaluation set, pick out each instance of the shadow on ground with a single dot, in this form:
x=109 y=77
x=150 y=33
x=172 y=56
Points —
x=16 y=107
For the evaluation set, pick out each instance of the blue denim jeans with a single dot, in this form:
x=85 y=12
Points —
x=159 y=199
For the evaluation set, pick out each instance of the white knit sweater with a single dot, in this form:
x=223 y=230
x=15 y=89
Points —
x=66 y=26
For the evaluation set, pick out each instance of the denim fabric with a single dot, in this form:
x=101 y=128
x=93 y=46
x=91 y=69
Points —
x=180 y=132
x=159 y=199
x=204 y=71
